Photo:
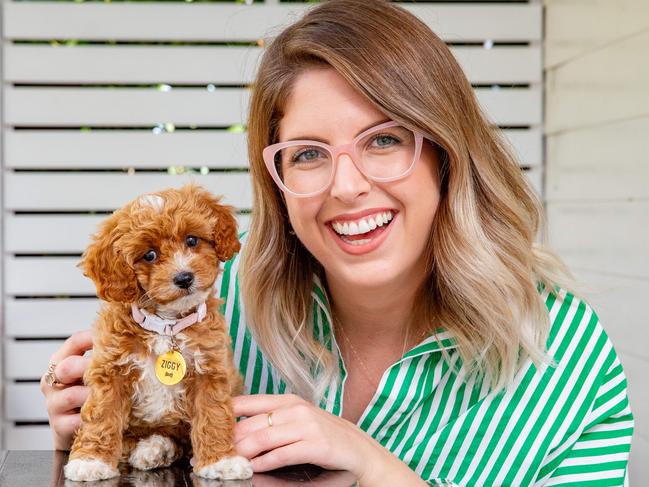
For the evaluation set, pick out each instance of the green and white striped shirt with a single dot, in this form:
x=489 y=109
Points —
x=569 y=425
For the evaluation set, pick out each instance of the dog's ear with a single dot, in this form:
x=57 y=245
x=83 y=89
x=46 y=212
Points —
x=226 y=240
x=224 y=233
x=114 y=278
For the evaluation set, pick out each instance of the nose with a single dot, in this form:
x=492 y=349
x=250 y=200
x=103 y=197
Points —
x=348 y=183
x=184 y=279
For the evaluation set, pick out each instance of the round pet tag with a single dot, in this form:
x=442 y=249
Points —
x=170 y=367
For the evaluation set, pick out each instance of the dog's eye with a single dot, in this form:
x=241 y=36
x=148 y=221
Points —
x=191 y=241
x=150 y=256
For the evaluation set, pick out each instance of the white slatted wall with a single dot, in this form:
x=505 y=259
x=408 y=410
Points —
x=88 y=126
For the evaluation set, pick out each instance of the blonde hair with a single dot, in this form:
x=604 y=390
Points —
x=484 y=264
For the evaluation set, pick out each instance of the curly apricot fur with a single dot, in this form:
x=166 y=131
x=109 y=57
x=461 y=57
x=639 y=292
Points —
x=202 y=419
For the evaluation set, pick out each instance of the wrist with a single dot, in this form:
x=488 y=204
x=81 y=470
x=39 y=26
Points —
x=380 y=467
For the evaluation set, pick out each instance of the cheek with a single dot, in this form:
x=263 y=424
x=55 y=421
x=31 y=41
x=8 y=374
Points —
x=143 y=275
x=303 y=214
x=204 y=264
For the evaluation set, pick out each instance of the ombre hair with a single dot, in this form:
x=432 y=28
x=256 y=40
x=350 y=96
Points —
x=485 y=266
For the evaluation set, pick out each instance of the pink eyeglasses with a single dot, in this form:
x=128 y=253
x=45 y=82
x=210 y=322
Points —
x=383 y=153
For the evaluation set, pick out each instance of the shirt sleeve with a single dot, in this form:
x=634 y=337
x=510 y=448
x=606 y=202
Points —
x=600 y=452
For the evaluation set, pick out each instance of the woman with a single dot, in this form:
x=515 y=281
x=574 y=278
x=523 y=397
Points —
x=391 y=282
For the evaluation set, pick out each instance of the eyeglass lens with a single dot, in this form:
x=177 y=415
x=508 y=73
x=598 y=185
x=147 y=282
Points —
x=384 y=153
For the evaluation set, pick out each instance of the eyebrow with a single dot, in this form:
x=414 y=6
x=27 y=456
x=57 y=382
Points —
x=319 y=139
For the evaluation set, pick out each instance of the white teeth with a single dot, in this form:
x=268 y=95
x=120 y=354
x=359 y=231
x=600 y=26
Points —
x=363 y=225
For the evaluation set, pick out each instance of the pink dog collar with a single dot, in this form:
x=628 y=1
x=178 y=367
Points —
x=163 y=326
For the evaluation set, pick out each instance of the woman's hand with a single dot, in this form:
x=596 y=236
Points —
x=304 y=433
x=64 y=400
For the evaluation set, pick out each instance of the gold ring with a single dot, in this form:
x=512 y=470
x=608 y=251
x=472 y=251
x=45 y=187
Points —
x=50 y=377
x=270 y=420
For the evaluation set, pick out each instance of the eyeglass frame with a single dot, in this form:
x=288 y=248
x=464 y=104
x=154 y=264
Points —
x=269 y=152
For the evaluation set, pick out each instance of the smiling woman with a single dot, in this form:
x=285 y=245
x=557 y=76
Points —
x=411 y=297
x=390 y=309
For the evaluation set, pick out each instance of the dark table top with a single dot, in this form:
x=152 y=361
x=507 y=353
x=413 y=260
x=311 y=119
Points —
x=26 y=468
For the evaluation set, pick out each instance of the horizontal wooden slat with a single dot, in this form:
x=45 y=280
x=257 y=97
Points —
x=28 y=359
x=124 y=148
x=125 y=106
x=600 y=162
x=32 y=318
x=28 y=437
x=44 y=149
x=520 y=64
x=568 y=36
x=83 y=191
x=603 y=86
x=24 y=402
x=535 y=177
x=512 y=106
x=130 y=64
x=200 y=22
x=218 y=64
x=602 y=235
x=65 y=233
x=528 y=145
x=30 y=106
x=45 y=276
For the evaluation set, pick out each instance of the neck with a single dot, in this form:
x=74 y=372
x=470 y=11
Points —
x=376 y=318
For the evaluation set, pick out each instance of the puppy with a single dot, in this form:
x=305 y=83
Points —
x=161 y=376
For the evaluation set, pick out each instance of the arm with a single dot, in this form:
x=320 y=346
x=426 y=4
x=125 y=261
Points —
x=601 y=450
x=384 y=468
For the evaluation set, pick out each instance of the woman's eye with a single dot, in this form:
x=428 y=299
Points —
x=307 y=155
x=150 y=256
x=385 y=140
x=191 y=241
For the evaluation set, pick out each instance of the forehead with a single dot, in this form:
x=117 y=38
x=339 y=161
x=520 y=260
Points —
x=154 y=217
x=323 y=103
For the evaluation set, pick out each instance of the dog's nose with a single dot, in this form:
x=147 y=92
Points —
x=183 y=279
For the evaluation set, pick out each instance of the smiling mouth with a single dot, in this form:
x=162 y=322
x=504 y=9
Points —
x=363 y=230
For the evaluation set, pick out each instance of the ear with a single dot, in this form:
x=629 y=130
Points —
x=226 y=240
x=114 y=278
x=224 y=224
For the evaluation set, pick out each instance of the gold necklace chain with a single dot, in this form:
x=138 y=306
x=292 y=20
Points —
x=366 y=371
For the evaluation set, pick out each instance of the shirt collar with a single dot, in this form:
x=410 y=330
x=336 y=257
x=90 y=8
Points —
x=441 y=340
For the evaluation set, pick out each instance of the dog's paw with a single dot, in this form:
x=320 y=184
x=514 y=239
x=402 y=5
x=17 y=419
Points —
x=153 y=452
x=229 y=468
x=85 y=469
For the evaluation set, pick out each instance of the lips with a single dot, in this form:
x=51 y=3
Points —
x=360 y=242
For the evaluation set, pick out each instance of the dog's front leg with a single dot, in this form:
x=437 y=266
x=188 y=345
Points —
x=97 y=446
x=212 y=431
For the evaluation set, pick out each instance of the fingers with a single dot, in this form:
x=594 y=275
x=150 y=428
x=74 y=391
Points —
x=283 y=415
x=76 y=344
x=63 y=401
x=68 y=360
x=63 y=428
x=289 y=454
x=70 y=370
x=262 y=403
x=267 y=439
